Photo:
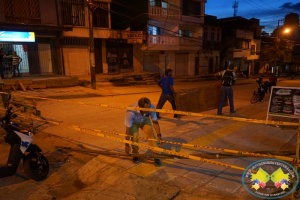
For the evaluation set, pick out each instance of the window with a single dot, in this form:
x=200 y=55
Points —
x=164 y=4
x=155 y=3
x=100 y=15
x=212 y=36
x=185 y=33
x=245 y=45
x=252 y=49
x=27 y=12
x=153 y=30
x=73 y=12
x=191 y=8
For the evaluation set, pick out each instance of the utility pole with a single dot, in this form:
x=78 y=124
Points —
x=235 y=6
x=91 y=43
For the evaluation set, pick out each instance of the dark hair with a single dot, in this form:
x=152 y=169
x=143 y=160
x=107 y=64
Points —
x=231 y=66
x=167 y=71
x=144 y=101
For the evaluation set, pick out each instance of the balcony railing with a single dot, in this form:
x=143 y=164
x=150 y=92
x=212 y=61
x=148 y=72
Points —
x=164 y=12
x=163 y=40
x=173 y=40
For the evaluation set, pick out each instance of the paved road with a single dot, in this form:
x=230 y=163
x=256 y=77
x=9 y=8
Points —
x=111 y=177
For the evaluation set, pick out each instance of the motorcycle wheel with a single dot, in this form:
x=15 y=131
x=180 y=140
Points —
x=36 y=167
x=254 y=99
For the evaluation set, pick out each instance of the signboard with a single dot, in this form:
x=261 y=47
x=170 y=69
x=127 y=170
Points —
x=135 y=37
x=13 y=36
x=284 y=102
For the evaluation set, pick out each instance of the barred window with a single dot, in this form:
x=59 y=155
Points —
x=73 y=12
x=25 y=11
x=100 y=15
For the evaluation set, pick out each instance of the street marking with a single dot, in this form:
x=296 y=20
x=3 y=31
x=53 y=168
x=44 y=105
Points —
x=146 y=169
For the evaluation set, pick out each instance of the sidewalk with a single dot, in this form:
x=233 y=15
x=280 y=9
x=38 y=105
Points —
x=114 y=177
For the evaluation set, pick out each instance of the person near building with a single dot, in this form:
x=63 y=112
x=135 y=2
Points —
x=272 y=80
x=168 y=94
x=136 y=119
x=16 y=60
x=228 y=79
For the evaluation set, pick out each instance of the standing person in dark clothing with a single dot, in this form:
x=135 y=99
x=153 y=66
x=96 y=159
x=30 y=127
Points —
x=16 y=60
x=166 y=84
x=228 y=79
x=272 y=80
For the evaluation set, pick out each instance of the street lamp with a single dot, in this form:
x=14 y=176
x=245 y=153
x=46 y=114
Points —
x=287 y=30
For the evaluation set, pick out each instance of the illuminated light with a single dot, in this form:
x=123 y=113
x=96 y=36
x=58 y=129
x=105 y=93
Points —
x=13 y=36
x=287 y=30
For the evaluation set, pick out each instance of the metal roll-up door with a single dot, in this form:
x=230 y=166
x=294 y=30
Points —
x=151 y=62
x=45 y=58
x=76 y=60
x=181 y=64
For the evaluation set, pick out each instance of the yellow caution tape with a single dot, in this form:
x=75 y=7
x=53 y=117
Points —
x=157 y=149
x=96 y=132
x=167 y=111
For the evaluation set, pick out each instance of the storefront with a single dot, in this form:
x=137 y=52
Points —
x=11 y=41
x=119 y=56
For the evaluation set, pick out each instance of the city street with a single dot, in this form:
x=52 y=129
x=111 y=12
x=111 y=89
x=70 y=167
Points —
x=79 y=172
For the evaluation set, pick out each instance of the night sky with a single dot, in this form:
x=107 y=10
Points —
x=268 y=11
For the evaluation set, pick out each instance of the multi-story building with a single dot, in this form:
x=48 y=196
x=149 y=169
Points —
x=174 y=33
x=241 y=44
x=287 y=44
x=61 y=29
x=33 y=29
x=210 y=55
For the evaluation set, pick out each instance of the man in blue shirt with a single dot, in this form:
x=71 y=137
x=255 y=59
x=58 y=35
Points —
x=166 y=84
x=136 y=119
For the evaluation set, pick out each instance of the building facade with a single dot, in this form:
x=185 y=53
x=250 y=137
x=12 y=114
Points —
x=43 y=56
x=241 y=44
x=173 y=28
x=210 y=55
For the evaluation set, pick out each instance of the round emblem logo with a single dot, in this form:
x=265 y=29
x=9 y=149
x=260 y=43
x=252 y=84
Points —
x=270 y=179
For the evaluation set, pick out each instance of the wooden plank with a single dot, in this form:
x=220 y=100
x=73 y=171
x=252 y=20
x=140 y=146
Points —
x=22 y=86
x=25 y=82
x=9 y=82
x=29 y=86
x=13 y=87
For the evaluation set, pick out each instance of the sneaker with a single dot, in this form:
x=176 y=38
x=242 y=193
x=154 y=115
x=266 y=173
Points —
x=220 y=114
x=135 y=159
x=157 y=162
x=232 y=112
x=175 y=116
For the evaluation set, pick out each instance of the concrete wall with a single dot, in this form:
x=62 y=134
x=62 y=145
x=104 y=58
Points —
x=2 y=15
x=48 y=12
x=204 y=61
x=137 y=58
x=76 y=60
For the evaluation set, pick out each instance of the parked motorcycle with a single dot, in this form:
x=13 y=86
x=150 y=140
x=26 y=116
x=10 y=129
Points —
x=35 y=164
x=261 y=91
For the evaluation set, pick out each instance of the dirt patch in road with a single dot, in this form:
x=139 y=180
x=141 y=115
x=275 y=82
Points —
x=62 y=180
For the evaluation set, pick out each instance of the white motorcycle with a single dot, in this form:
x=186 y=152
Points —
x=35 y=164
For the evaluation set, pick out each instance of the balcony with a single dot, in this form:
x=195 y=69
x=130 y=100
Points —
x=161 y=42
x=164 y=12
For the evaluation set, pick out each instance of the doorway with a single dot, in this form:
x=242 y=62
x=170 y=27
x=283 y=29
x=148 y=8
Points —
x=211 y=66
x=196 y=65
x=45 y=58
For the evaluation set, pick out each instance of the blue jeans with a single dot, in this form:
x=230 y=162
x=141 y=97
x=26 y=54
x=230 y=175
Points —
x=14 y=68
x=164 y=98
x=226 y=91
